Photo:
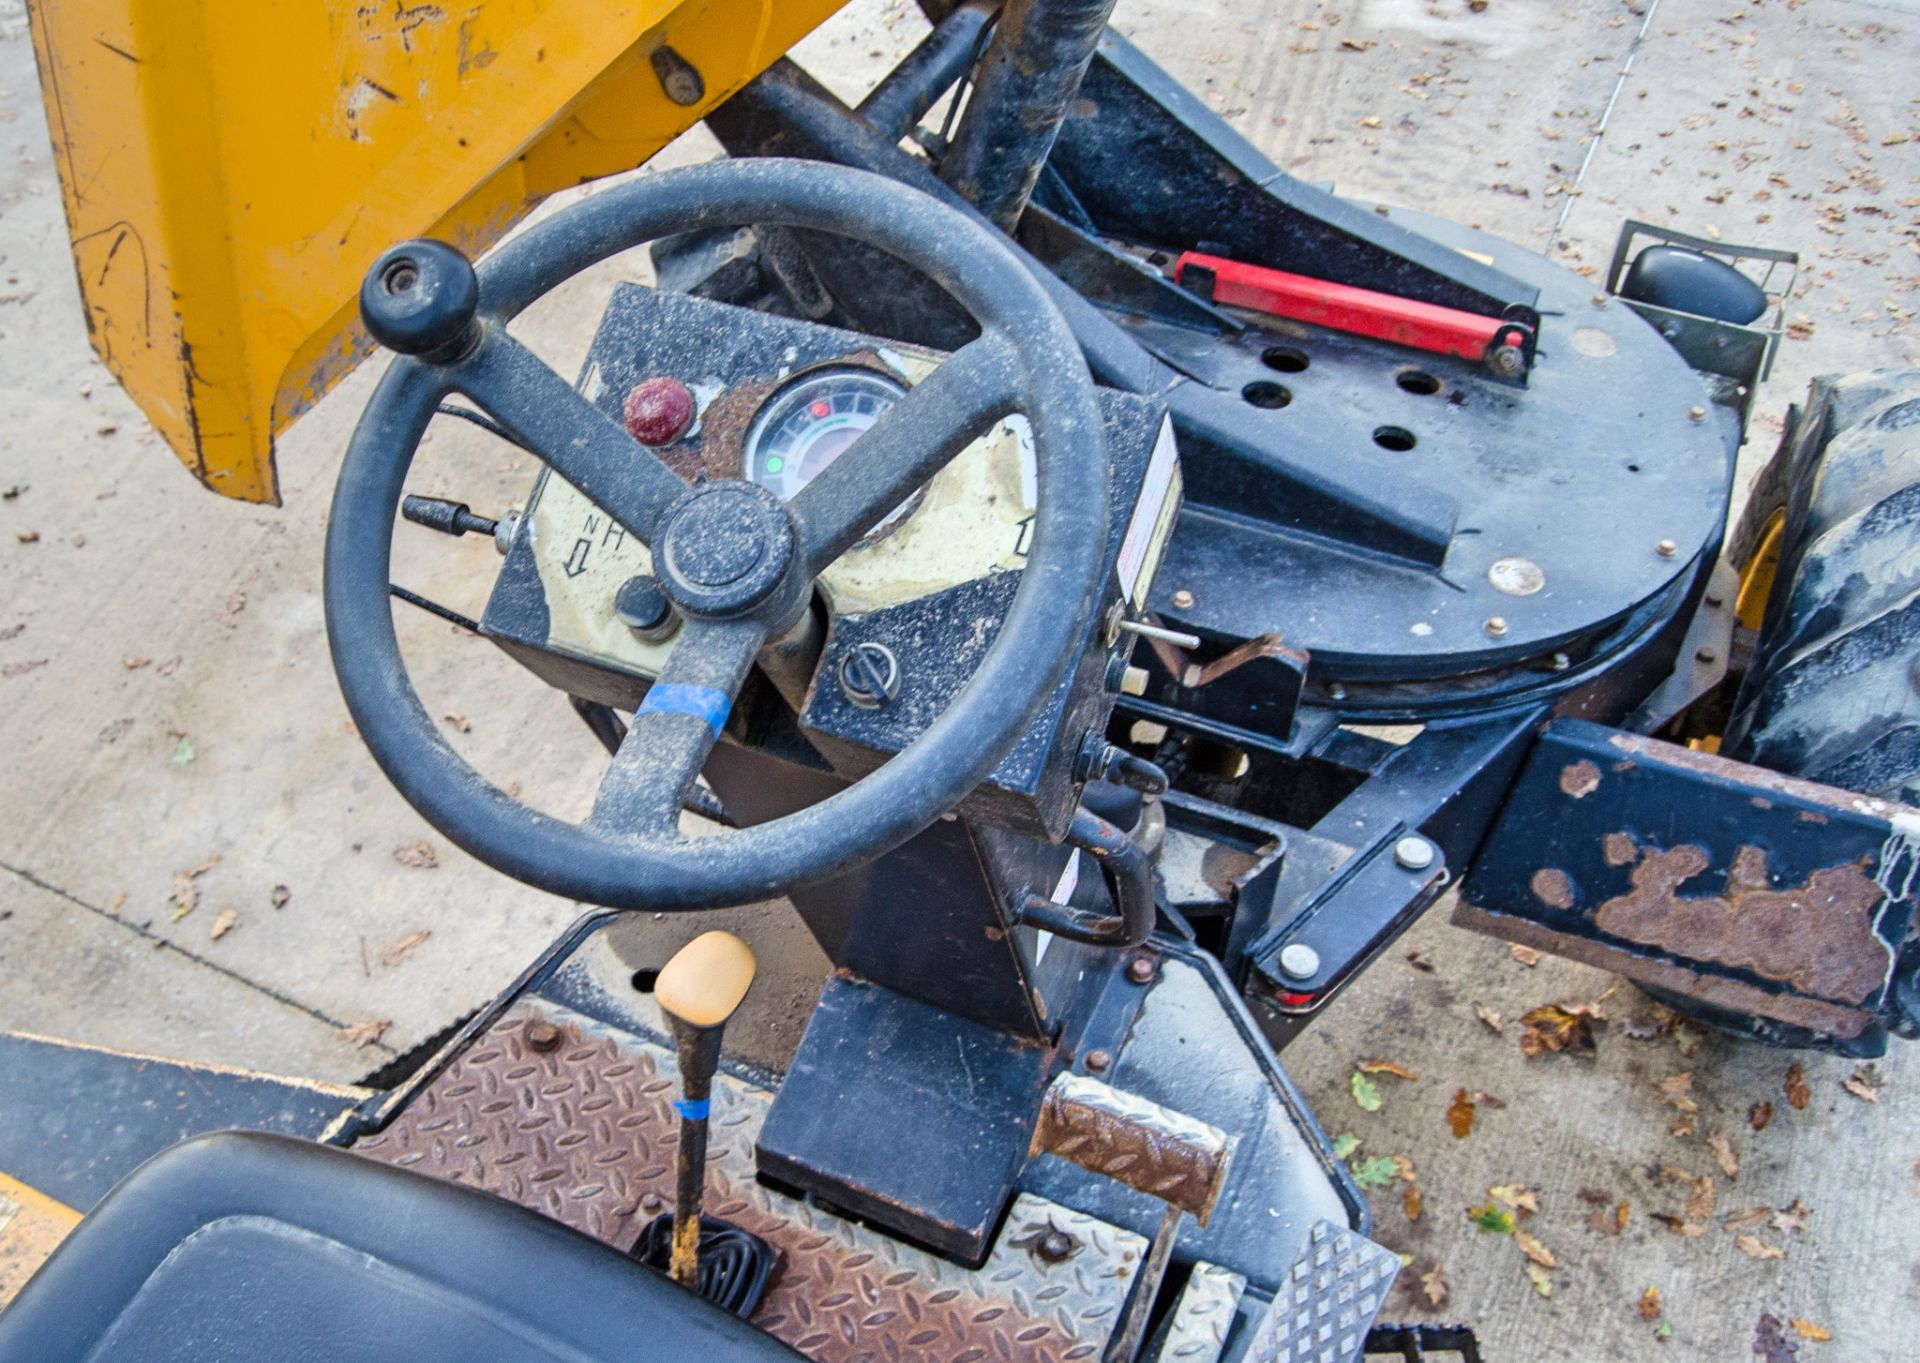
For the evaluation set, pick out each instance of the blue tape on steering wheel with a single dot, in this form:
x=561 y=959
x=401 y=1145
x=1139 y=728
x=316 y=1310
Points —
x=691 y=1110
x=677 y=698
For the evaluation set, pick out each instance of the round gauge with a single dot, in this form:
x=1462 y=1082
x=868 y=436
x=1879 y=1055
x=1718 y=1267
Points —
x=811 y=422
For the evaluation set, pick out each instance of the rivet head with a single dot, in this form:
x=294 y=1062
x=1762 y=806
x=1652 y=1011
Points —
x=1496 y=625
x=1298 y=961
x=1054 y=1247
x=1141 y=970
x=1666 y=548
x=1099 y=1061
x=1182 y=599
x=1335 y=691
x=1707 y=655
x=1696 y=414
x=542 y=1036
x=1414 y=853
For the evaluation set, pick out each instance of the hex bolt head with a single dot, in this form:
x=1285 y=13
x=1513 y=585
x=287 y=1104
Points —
x=1496 y=625
x=1099 y=1061
x=1413 y=852
x=1183 y=599
x=1696 y=414
x=1298 y=961
x=1142 y=969
x=1561 y=662
x=1666 y=548
x=542 y=1036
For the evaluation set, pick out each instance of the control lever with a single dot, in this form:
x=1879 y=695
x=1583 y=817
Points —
x=1152 y=1149
x=698 y=990
x=456 y=519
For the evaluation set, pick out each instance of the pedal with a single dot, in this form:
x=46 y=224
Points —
x=1327 y=1303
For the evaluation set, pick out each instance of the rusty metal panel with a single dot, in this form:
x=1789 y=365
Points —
x=1745 y=889
x=231 y=168
x=582 y=1130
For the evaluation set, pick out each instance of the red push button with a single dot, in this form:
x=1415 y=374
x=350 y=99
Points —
x=658 y=411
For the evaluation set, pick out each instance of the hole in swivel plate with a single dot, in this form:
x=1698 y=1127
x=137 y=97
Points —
x=1285 y=359
x=1264 y=393
x=1417 y=381
x=1397 y=438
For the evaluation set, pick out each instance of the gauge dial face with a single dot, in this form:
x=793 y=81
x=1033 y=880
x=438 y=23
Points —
x=813 y=421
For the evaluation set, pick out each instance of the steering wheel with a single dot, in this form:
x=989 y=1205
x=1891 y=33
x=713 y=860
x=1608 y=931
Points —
x=738 y=562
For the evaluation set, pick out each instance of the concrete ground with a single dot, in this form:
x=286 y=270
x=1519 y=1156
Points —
x=173 y=735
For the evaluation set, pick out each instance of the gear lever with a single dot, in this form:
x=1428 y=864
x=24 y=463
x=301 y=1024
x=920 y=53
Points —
x=698 y=989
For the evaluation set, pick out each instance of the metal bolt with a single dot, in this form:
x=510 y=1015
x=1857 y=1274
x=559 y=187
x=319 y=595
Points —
x=1335 y=691
x=1141 y=970
x=1666 y=548
x=1099 y=1061
x=1696 y=414
x=1508 y=361
x=542 y=1036
x=1183 y=599
x=1715 y=600
x=870 y=675
x=1054 y=1247
x=1600 y=300
x=1496 y=625
x=678 y=77
x=1414 y=853
x=1706 y=655
x=1298 y=961
x=1561 y=662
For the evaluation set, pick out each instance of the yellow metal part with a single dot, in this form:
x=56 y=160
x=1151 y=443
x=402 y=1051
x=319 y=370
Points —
x=32 y=1225
x=231 y=167
x=1756 y=578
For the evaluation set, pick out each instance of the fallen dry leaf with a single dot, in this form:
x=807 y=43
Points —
x=223 y=923
x=1534 y=1250
x=1527 y=956
x=419 y=854
x=1433 y=1285
x=1677 y=1091
x=1488 y=1101
x=1410 y=1202
x=1759 y=1115
x=134 y=664
x=365 y=1034
x=1701 y=1200
x=1420 y=961
x=1557 y=1028
x=1724 y=1155
x=1387 y=1067
x=1491 y=1018
x=1460 y=1115
x=186 y=892
x=280 y=896
x=1650 y=1304
x=1542 y=1280
x=1864 y=1084
x=459 y=721
x=1798 y=1094
x=1749 y=1218
x=1792 y=1219
x=1403 y=1167
x=1806 y=1329
x=1755 y=1248
x=1679 y=1225
x=1522 y=1197
x=1610 y=1222
x=398 y=951
x=1770 y=1342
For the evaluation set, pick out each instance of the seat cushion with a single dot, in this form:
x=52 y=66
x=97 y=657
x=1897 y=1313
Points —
x=243 y=1247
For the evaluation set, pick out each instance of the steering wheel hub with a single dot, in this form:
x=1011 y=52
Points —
x=724 y=548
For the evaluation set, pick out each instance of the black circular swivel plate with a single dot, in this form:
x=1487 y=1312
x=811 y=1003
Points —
x=739 y=563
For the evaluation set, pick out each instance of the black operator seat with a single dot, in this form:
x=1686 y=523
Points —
x=248 y=1248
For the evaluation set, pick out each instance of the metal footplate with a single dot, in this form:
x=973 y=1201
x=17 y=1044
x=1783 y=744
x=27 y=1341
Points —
x=1328 y=1301
x=573 y=1119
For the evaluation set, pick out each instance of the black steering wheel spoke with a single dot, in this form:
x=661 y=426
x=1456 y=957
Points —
x=548 y=416
x=916 y=438
x=675 y=728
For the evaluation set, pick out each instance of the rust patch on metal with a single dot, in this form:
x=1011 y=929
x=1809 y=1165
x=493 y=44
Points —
x=1817 y=937
x=1737 y=995
x=1579 y=779
x=584 y=1133
x=1619 y=849
x=1552 y=887
x=1730 y=772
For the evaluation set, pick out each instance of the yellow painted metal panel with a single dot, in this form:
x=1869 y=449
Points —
x=32 y=1225
x=231 y=167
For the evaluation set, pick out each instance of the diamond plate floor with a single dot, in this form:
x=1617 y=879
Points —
x=584 y=1133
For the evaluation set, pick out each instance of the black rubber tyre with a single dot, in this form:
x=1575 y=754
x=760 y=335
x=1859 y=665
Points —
x=1833 y=694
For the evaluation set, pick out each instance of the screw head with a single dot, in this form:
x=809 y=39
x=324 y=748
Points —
x=542 y=1036
x=1496 y=625
x=1298 y=961
x=1182 y=599
x=1141 y=970
x=1561 y=662
x=1055 y=1246
x=1336 y=691
x=1099 y=1061
x=1413 y=852
x=1666 y=548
